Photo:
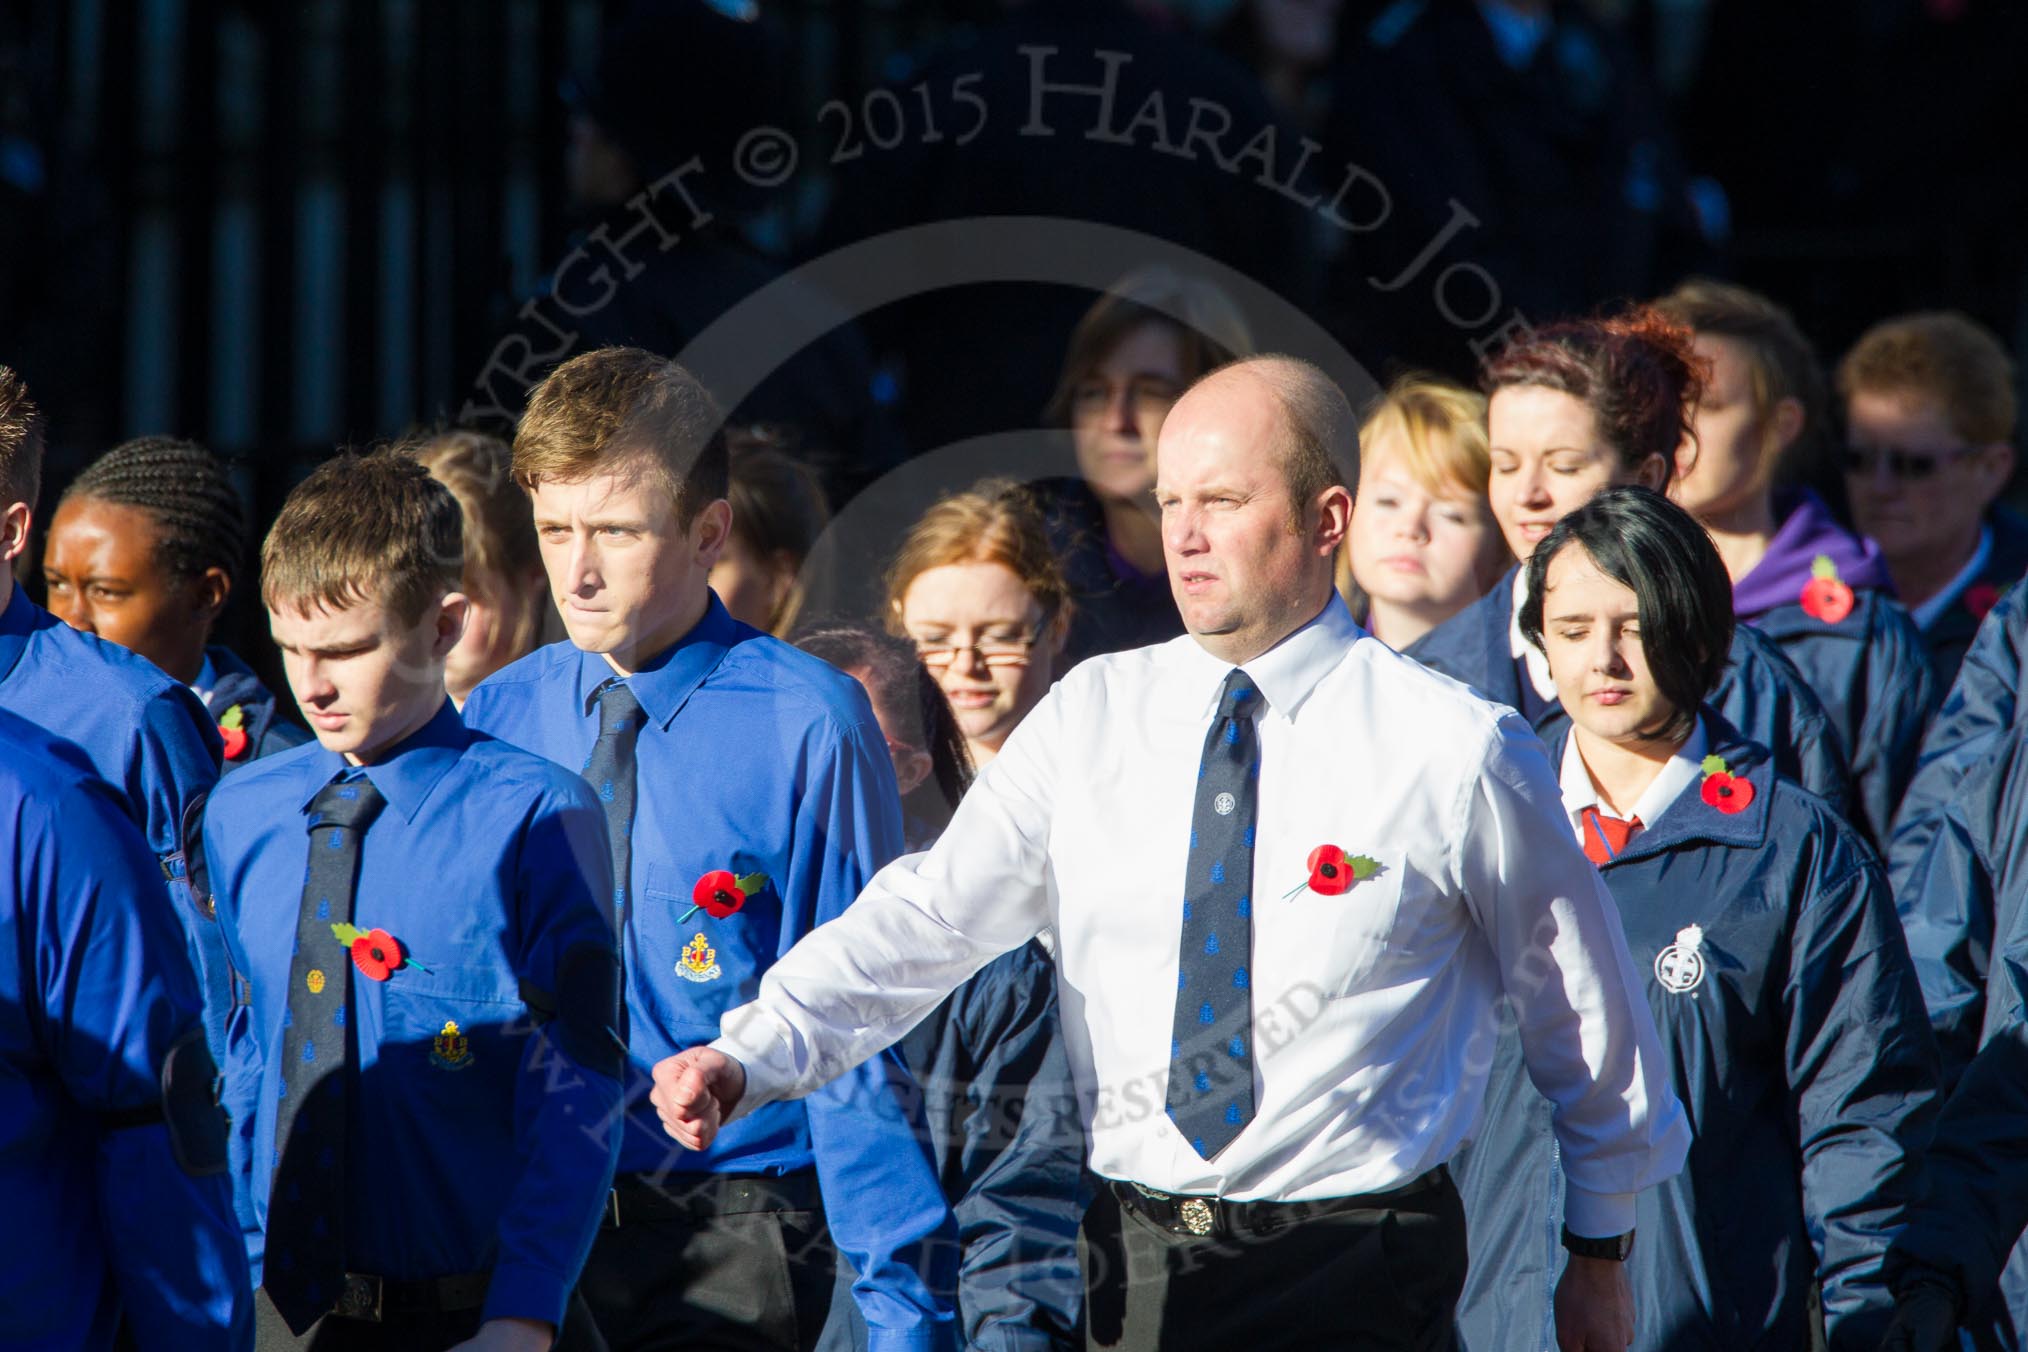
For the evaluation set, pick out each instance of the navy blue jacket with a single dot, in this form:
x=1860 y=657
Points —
x=1950 y=634
x=1761 y=692
x=1111 y=610
x=116 y=1195
x=1976 y=1202
x=1968 y=932
x=1976 y=713
x=1009 y=1148
x=1873 y=676
x=1801 y=1054
x=237 y=687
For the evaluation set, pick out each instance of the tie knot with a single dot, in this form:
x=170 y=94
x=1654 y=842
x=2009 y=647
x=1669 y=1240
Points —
x=350 y=803
x=618 y=708
x=1240 y=697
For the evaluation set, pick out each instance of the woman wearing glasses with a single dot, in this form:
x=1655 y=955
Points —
x=1572 y=410
x=1820 y=591
x=1129 y=359
x=1773 y=962
x=978 y=589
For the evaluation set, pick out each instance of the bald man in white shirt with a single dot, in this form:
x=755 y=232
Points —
x=1291 y=875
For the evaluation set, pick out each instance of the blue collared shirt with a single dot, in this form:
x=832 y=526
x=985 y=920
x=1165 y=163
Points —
x=96 y=988
x=468 y=1149
x=756 y=758
x=145 y=735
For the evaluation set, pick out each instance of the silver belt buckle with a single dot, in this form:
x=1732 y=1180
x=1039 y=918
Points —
x=359 y=1298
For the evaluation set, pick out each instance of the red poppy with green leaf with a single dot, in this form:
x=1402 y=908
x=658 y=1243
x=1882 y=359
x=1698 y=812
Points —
x=719 y=894
x=1981 y=597
x=1334 y=872
x=232 y=731
x=377 y=954
x=1727 y=792
x=1826 y=597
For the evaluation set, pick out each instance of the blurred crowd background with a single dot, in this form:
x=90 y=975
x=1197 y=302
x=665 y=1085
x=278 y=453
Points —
x=281 y=228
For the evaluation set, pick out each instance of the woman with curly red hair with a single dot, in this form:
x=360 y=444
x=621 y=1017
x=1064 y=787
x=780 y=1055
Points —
x=1573 y=409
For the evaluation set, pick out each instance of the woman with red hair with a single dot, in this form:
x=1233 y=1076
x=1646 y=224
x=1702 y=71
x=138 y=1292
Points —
x=1573 y=409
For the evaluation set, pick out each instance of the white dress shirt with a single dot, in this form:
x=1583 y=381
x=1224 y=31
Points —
x=1931 y=610
x=1373 y=1010
x=1531 y=657
x=1676 y=775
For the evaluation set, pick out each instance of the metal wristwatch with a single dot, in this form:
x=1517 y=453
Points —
x=1614 y=1248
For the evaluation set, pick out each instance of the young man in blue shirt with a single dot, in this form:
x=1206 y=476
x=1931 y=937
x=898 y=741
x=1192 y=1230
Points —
x=749 y=797
x=140 y=731
x=426 y=1079
x=112 y=1156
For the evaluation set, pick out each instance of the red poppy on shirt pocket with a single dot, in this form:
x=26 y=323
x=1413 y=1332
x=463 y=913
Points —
x=1347 y=937
x=744 y=943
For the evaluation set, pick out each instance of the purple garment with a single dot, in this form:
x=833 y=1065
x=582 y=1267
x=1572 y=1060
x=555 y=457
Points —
x=1807 y=530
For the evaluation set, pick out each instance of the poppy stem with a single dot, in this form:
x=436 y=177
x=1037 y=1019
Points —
x=411 y=962
x=1293 y=890
x=687 y=914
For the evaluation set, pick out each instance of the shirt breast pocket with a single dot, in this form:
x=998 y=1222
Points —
x=719 y=958
x=1343 y=944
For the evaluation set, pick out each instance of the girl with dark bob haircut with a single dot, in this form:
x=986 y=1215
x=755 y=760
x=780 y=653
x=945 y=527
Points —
x=1645 y=543
x=1779 y=982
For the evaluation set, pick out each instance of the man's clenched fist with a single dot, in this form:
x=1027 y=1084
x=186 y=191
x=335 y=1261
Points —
x=695 y=1091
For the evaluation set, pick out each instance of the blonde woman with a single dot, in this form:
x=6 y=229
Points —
x=1423 y=543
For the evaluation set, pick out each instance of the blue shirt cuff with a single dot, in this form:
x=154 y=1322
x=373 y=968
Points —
x=928 y=1336
x=522 y=1292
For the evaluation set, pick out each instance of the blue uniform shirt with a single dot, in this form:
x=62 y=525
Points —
x=756 y=758
x=96 y=989
x=146 y=736
x=468 y=1148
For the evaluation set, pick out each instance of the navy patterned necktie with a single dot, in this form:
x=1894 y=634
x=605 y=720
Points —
x=610 y=771
x=1211 y=1048
x=305 y=1264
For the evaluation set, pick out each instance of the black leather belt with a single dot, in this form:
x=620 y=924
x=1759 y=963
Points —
x=636 y=1198
x=376 y=1299
x=1183 y=1214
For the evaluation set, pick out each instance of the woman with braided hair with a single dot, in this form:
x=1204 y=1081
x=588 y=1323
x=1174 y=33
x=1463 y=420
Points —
x=143 y=551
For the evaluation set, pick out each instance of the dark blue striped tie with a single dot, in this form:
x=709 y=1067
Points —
x=1211 y=1048
x=305 y=1263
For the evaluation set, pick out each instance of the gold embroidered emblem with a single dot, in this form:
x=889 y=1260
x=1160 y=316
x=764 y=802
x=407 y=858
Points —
x=451 y=1049
x=314 y=979
x=700 y=961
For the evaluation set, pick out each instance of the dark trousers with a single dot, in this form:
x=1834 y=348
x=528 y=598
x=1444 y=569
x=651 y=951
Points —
x=712 y=1265
x=1378 y=1278
x=414 y=1333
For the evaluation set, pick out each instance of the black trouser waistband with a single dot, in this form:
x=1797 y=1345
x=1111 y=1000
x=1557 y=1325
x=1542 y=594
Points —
x=377 y=1299
x=697 y=1197
x=1215 y=1216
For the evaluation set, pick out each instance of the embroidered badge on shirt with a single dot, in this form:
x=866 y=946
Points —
x=700 y=961
x=451 y=1049
x=1680 y=966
